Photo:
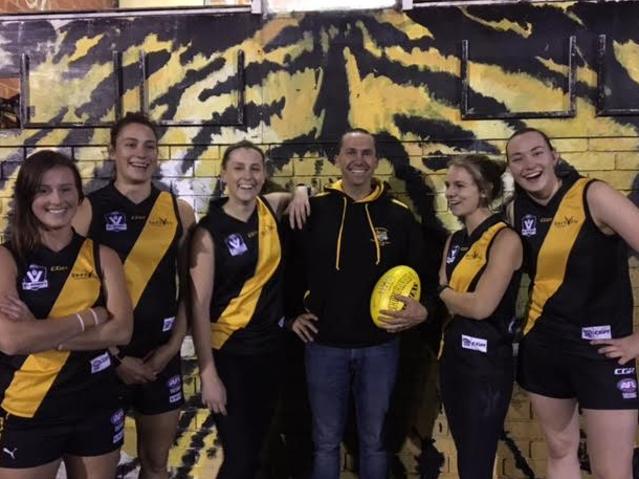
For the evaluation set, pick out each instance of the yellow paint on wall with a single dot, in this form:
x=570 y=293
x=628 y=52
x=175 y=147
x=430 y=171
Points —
x=72 y=92
x=565 y=7
x=584 y=75
x=290 y=53
x=428 y=60
x=369 y=42
x=628 y=55
x=299 y=92
x=517 y=91
x=83 y=45
x=375 y=100
x=413 y=30
x=273 y=28
x=503 y=25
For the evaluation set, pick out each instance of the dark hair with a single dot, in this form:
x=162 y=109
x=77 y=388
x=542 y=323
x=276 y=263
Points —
x=238 y=146
x=23 y=224
x=523 y=131
x=562 y=169
x=129 y=119
x=363 y=131
x=485 y=172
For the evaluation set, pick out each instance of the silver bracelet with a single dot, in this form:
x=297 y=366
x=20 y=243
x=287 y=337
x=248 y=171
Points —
x=77 y=315
x=95 y=316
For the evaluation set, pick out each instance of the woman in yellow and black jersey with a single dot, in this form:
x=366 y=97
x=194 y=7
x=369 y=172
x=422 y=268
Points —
x=63 y=302
x=236 y=264
x=479 y=278
x=574 y=231
x=148 y=228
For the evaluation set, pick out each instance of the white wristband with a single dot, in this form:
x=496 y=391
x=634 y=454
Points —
x=95 y=316
x=77 y=315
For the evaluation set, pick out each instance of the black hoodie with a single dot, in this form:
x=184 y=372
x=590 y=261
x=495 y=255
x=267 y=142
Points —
x=335 y=261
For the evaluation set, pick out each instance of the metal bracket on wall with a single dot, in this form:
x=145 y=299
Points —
x=240 y=109
x=602 y=110
x=469 y=113
x=26 y=110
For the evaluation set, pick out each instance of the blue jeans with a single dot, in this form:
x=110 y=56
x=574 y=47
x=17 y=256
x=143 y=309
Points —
x=331 y=372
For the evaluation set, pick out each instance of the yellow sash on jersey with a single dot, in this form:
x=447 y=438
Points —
x=561 y=236
x=470 y=265
x=31 y=383
x=151 y=246
x=241 y=308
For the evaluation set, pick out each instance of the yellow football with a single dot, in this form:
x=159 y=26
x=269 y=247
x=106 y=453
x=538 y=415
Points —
x=402 y=280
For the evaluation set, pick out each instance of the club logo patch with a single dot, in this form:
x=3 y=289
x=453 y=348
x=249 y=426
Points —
x=35 y=278
x=174 y=385
x=628 y=388
x=382 y=236
x=236 y=245
x=529 y=225
x=115 y=221
x=452 y=254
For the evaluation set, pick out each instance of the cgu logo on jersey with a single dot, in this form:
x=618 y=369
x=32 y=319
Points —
x=35 y=278
x=236 y=245
x=115 y=221
x=452 y=254
x=529 y=225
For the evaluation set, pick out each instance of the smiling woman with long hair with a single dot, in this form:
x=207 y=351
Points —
x=149 y=230
x=578 y=349
x=63 y=302
x=236 y=275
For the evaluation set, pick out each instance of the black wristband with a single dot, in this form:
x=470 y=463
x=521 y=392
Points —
x=441 y=288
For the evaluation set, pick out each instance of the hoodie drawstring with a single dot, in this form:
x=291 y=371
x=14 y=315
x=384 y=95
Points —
x=378 y=251
x=339 y=235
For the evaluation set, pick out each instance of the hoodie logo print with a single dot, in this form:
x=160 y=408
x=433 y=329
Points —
x=382 y=236
x=236 y=245
x=452 y=254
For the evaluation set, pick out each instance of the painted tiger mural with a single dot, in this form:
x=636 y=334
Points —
x=434 y=81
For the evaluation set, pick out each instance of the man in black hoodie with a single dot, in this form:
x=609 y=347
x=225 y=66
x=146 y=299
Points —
x=356 y=232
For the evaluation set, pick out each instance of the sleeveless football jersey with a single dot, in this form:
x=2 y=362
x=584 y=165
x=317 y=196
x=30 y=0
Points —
x=580 y=286
x=54 y=385
x=478 y=345
x=146 y=237
x=247 y=302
